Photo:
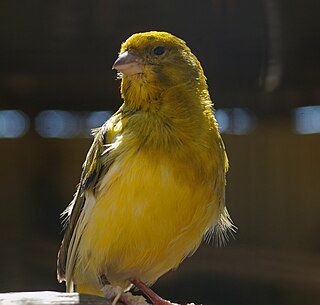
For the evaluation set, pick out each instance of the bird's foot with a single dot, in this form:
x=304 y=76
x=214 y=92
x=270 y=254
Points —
x=129 y=299
x=162 y=301
x=154 y=298
x=112 y=293
x=116 y=294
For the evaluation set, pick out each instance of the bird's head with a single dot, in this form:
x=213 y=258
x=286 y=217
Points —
x=152 y=62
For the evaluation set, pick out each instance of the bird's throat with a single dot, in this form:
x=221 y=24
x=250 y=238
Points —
x=140 y=94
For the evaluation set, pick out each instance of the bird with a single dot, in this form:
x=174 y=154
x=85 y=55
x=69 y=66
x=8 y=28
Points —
x=152 y=186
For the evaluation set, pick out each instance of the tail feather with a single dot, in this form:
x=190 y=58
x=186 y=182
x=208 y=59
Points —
x=223 y=229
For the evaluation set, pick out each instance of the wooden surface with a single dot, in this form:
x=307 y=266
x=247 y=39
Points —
x=50 y=297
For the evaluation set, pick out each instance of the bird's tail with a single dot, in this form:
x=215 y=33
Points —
x=223 y=229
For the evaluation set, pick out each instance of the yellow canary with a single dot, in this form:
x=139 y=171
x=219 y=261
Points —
x=153 y=182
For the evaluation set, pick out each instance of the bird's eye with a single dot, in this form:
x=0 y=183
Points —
x=159 y=50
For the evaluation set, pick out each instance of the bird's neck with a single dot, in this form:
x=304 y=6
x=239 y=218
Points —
x=174 y=115
x=139 y=94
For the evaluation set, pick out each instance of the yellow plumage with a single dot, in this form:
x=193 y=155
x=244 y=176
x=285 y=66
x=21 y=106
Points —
x=153 y=182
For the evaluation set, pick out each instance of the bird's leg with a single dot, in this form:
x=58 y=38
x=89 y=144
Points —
x=129 y=299
x=154 y=298
x=117 y=294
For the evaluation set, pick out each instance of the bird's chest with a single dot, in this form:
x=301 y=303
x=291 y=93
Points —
x=142 y=194
x=142 y=182
x=150 y=205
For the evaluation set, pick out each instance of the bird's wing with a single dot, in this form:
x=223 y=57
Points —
x=93 y=168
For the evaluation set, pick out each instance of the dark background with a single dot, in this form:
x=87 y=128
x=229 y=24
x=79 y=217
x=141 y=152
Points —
x=259 y=56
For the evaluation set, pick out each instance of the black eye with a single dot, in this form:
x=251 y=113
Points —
x=159 y=50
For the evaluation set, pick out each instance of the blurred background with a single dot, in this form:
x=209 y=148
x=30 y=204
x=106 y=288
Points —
x=261 y=58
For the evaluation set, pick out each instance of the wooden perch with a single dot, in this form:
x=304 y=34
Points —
x=57 y=298
x=50 y=298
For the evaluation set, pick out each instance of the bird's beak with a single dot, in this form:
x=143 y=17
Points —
x=128 y=63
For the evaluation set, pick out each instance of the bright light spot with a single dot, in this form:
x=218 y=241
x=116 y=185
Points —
x=222 y=119
x=13 y=123
x=307 y=119
x=243 y=121
x=94 y=119
x=97 y=118
x=67 y=124
x=237 y=121
x=57 y=124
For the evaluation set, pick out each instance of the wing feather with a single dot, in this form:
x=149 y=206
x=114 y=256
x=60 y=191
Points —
x=75 y=212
